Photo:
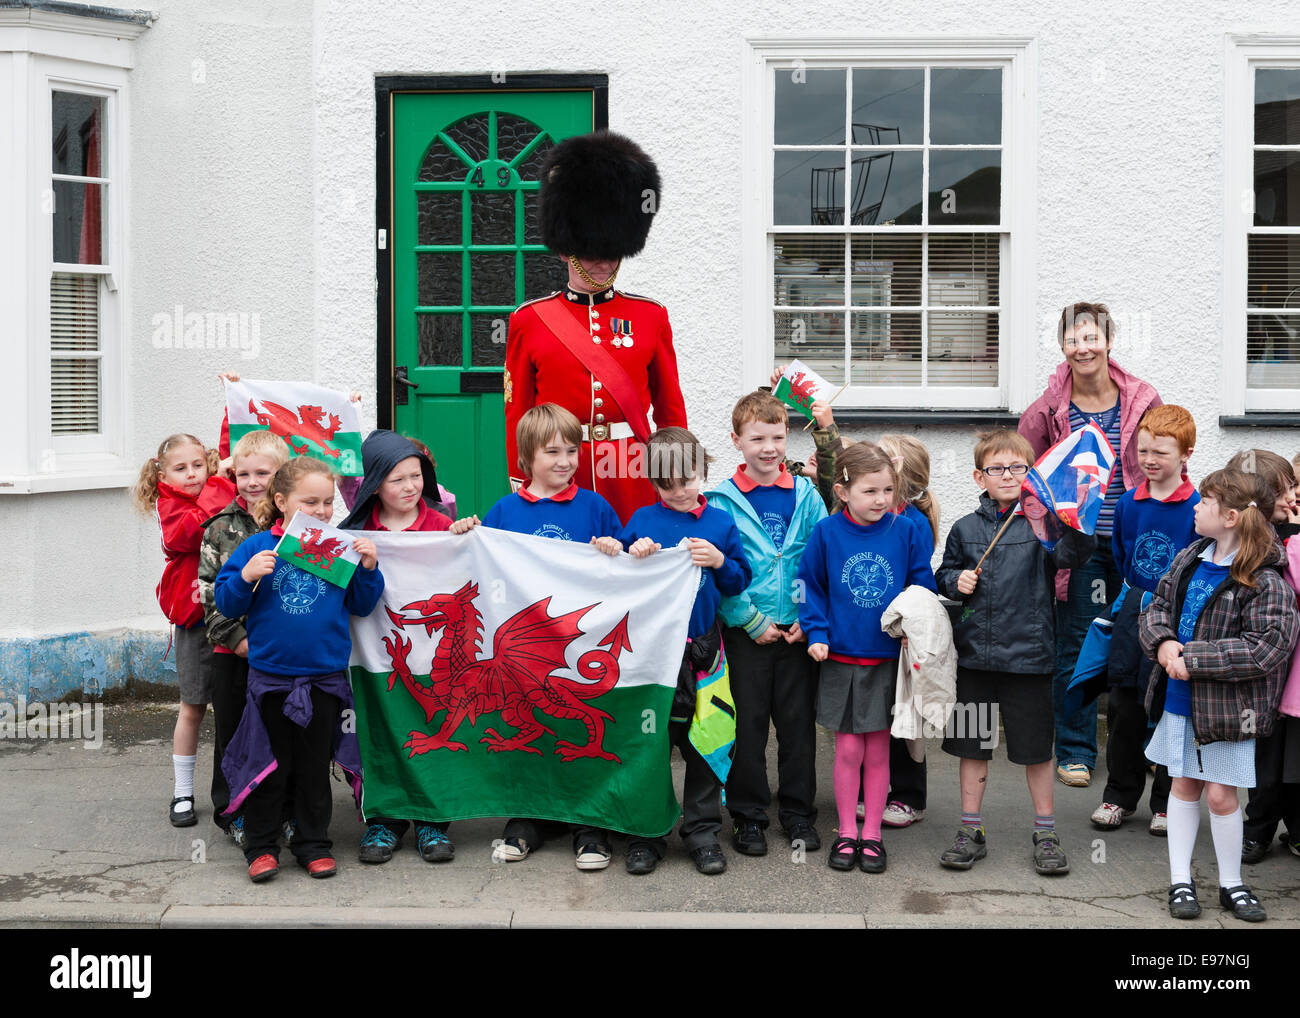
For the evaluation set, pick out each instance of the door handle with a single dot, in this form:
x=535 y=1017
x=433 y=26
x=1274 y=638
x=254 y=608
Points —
x=400 y=395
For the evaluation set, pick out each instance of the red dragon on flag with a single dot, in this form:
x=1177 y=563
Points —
x=323 y=553
x=517 y=681
x=305 y=424
x=803 y=389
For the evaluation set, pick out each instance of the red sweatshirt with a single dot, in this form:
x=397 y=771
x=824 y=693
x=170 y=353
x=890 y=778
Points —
x=181 y=517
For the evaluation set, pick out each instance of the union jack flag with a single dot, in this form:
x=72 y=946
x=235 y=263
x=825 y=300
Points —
x=1067 y=486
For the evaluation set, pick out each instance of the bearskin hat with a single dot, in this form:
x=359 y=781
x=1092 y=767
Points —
x=596 y=190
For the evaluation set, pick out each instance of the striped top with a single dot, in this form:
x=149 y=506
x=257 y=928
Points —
x=1108 y=421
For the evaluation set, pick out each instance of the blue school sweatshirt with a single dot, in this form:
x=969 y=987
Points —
x=1148 y=533
x=669 y=528
x=1208 y=577
x=297 y=623
x=574 y=514
x=850 y=572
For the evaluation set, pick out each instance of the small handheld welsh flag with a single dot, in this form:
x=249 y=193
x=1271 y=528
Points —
x=800 y=386
x=312 y=420
x=319 y=549
x=1067 y=486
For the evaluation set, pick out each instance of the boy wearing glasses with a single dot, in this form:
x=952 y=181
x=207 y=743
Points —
x=1006 y=647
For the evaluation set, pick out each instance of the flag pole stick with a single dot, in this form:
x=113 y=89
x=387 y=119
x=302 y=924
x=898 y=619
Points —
x=828 y=403
x=1011 y=515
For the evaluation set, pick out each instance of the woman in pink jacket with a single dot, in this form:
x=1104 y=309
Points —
x=1088 y=387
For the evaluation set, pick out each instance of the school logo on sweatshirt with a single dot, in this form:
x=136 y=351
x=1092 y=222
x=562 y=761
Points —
x=774 y=524
x=552 y=530
x=869 y=578
x=1152 y=555
x=1198 y=592
x=298 y=590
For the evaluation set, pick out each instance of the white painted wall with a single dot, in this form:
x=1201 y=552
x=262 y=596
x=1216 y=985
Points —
x=253 y=191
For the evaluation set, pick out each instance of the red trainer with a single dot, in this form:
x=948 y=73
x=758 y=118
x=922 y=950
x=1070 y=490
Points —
x=264 y=867
x=323 y=867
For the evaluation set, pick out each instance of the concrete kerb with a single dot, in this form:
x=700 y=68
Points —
x=73 y=915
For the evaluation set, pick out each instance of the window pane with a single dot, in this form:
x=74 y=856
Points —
x=440 y=164
x=1277 y=188
x=532 y=224
x=492 y=279
x=74 y=313
x=808 y=271
x=962 y=347
x=439 y=279
x=964 y=269
x=513 y=133
x=965 y=106
x=77 y=222
x=1273 y=351
x=75 y=128
x=887 y=271
x=440 y=340
x=74 y=380
x=1277 y=106
x=888 y=106
x=809 y=107
x=886 y=188
x=531 y=166
x=492 y=217
x=886 y=348
x=471 y=134
x=543 y=273
x=808 y=188
x=487 y=340
x=973 y=182
x=1273 y=271
x=74 y=396
x=438 y=217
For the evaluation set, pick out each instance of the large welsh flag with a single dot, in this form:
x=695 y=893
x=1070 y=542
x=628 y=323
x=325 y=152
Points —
x=510 y=675
x=312 y=420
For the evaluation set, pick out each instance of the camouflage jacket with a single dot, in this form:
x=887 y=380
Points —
x=222 y=534
x=827 y=441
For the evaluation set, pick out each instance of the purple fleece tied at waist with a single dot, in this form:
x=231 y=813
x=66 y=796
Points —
x=248 y=759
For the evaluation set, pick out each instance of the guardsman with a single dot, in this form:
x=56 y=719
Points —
x=604 y=355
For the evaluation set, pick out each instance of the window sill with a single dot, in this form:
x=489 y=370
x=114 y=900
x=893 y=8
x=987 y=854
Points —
x=939 y=418
x=38 y=484
x=1261 y=419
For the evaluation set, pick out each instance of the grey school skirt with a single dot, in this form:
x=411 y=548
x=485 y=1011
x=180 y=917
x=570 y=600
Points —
x=856 y=698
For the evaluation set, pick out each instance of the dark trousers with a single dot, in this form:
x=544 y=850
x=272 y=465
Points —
x=1126 y=763
x=1272 y=800
x=1093 y=589
x=229 y=692
x=701 y=798
x=772 y=684
x=534 y=833
x=906 y=776
x=303 y=764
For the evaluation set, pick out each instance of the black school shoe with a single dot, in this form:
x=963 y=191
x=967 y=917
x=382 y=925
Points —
x=641 y=860
x=802 y=830
x=1242 y=903
x=1183 y=903
x=1253 y=851
x=747 y=838
x=868 y=863
x=183 y=817
x=709 y=860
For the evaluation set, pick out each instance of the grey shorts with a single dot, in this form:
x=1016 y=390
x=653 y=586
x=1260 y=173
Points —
x=193 y=664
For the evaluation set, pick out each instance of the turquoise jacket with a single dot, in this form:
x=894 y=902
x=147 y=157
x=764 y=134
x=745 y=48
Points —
x=770 y=596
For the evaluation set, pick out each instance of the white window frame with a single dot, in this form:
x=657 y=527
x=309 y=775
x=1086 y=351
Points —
x=43 y=51
x=1244 y=52
x=1017 y=335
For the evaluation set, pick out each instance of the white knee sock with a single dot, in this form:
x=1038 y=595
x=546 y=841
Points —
x=1184 y=822
x=183 y=769
x=1226 y=832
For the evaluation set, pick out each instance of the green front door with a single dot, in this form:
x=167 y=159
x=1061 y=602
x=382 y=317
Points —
x=466 y=250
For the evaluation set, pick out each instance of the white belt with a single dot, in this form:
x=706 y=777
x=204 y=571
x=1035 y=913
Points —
x=606 y=432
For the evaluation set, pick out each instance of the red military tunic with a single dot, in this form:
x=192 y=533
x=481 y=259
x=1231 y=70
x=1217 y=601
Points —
x=540 y=369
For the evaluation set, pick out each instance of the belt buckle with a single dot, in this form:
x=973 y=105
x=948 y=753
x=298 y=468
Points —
x=599 y=432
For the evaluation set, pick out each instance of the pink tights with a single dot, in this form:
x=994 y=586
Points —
x=861 y=761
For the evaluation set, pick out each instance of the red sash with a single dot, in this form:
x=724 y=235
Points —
x=596 y=359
